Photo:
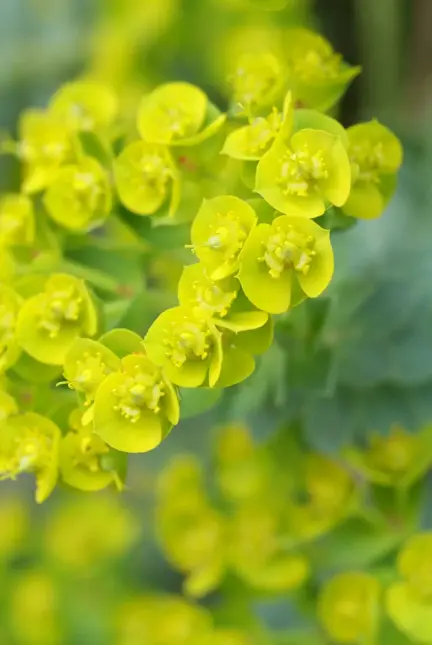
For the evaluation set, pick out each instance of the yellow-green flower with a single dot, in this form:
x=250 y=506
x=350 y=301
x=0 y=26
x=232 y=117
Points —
x=44 y=145
x=275 y=255
x=348 y=607
x=376 y=156
x=177 y=114
x=49 y=322
x=398 y=459
x=316 y=74
x=29 y=443
x=414 y=564
x=146 y=178
x=17 y=227
x=135 y=407
x=256 y=80
x=219 y=232
x=84 y=105
x=187 y=346
x=301 y=176
x=79 y=198
x=86 y=364
x=10 y=304
x=86 y=462
x=250 y=142
x=411 y=613
x=256 y=555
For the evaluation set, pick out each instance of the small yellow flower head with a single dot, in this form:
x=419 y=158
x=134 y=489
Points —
x=176 y=114
x=348 y=607
x=34 y=609
x=256 y=556
x=84 y=105
x=317 y=76
x=203 y=295
x=146 y=178
x=50 y=322
x=45 y=144
x=10 y=304
x=135 y=407
x=376 y=155
x=85 y=461
x=415 y=564
x=86 y=365
x=17 y=227
x=328 y=484
x=277 y=254
x=250 y=142
x=255 y=81
x=79 y=198
x=188 y=347
x=88 y=531
x=301 y=177
x=29 y=443
x=410 y=612
x=398 y=459
x=219 y=232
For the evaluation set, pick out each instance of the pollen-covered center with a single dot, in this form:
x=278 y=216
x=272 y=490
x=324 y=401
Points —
x=211 y=298
x=262 y=131
x=61 y=307
x=367 y=160
x=286 y=248
x=176 y=118
x=227 y=235
x=88 y=190
x=299 y=172
x=90 y=372
x=89 y=448
x=139 y=392
x=187 y=340
x=154 y=172
x=314 y=65
x=29 y=450
x=254 y=77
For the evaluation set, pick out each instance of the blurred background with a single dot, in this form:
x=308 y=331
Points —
x=66 y=565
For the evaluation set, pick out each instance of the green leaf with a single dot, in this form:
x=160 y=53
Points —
x=122 y=342
x=195 y=402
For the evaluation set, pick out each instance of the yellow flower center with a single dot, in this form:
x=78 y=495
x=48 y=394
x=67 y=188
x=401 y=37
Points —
x=255 y=76
x=212 y=299
x=89 y=450
x=90 y=372
x=300 y=171
x=29 y=450
x=227 y=235
x=288 y=249
x=61 y=307
x=314 y=65
x=88 y=191
x=81 y=117
x=176 y=118
x=154 y=172
x=367 y=160
x=139 y=392
x=262 y=131
x=187 y=340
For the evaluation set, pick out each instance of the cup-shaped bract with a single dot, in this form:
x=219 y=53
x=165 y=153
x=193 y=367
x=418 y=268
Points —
x=146 y=178
x=30 y=443
x=49 y=322
x=301 y=176
x=219 y=232
x=17 y=226
x=348 y=607
x=86 y=365
x=317 y=76
x=177 y=114
x=10 y=304
x=86 y=462
x=85 y=105
x=277 y=254
x=187 y=346
x=44 y=145
x=80 y=197
x=136 y=406
x=376 y=156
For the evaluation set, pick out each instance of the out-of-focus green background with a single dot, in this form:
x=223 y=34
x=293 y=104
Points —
x=382 y=331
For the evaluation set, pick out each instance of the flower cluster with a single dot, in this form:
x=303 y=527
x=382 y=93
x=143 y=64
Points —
x=253 y=184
